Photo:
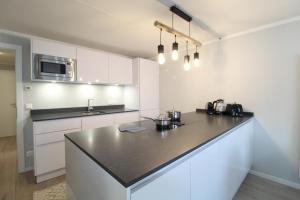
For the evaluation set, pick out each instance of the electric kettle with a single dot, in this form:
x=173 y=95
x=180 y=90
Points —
x=219 y=106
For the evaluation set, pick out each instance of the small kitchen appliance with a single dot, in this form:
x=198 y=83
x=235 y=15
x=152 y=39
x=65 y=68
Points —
x=234 y=110
x=210 y=108
x=219 y=106
x=52 y=68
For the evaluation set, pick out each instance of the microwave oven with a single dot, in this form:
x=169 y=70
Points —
x=52 y=68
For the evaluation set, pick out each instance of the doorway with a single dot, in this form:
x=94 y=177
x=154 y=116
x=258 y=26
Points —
x=11 y=100
x=8 y=93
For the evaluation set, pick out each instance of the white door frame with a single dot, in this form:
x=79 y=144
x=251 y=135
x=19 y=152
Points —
x=19 y=104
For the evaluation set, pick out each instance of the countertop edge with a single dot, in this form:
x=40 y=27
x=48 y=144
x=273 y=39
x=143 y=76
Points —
x=76 y=116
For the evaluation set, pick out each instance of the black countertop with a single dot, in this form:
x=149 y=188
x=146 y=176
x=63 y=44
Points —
x=130 y=157
x=63 y=113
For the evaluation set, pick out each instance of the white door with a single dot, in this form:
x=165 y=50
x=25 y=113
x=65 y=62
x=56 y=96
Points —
x=8 y=94
x=149 y=85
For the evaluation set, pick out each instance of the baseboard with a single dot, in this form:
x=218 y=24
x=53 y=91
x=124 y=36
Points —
x=276 y=179
x=27 y=169
x=50 y=175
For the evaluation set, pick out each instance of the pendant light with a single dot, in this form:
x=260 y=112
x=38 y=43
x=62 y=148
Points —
x=187 y=65
x=196 y=58
x=174 y=54
x=160 y=48
x=175 y=50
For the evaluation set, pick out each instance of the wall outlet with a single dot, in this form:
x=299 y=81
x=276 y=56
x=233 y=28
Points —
x=29 y=153
x=27 y=87
x=28 y=106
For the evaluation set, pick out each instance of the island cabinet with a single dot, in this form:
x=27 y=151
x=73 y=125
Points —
x=218 y=171
x=175 y=185
x=213 y=171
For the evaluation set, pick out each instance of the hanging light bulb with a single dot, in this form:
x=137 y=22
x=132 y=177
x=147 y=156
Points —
x=160 y=48
x=196 y=58
x=187 y=65
x=175 y=50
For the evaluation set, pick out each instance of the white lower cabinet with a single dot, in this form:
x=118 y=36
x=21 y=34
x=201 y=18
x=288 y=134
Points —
x=175 y=185
x=204 y=174
x=49 y=140
x=49 y=154
x=235 y=160
x=128 y=117
x=153 y=113
x=109 y=120
x=97 y=121
x=218 y=171
x=50 y=157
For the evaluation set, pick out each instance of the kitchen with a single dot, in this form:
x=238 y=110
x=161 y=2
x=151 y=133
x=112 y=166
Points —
x=118 y=81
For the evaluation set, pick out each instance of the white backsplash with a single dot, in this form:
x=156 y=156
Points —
x=58 y=95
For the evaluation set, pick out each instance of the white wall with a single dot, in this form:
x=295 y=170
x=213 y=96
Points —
x=261 y=70
x=8 y=97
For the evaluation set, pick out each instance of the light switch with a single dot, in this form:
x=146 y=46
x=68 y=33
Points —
x=28 y=106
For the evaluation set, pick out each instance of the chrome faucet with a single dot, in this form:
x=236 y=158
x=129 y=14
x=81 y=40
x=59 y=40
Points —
x=90 y=108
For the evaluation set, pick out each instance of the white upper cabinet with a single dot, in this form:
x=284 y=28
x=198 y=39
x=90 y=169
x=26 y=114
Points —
x=53 y=48
x=92 y=66
x=120 y=71
x=149 y=84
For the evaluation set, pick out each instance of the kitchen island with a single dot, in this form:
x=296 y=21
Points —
x=207 y=158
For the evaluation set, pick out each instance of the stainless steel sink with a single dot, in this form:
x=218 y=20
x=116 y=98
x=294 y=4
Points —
x=91 y=113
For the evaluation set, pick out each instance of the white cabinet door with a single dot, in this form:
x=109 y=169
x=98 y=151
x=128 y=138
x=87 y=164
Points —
x=128 y=117
x=175 y=185
x=120 y=70
x=218 y=171
x=97 y=121
x=235 y=160
x=92 y=66
x=204 y=174
x=154 y=113
x=49 y=151
x=52 y=48
x=49 y=157
x=149 y=84
x=56 y=125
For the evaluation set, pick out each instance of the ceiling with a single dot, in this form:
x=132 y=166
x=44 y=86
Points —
x=126 y=26
x=7 y=59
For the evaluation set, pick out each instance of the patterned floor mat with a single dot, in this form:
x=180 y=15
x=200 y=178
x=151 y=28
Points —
x=56 y=192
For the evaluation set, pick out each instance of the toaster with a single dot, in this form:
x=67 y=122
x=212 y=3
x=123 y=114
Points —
x=234 y=110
